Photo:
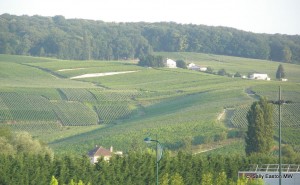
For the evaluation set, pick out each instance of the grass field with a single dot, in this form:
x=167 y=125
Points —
x=181 y=106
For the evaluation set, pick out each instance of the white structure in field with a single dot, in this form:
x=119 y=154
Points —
x=259 y=76
x=170 y=63
x=195 y=67
x=269 y=173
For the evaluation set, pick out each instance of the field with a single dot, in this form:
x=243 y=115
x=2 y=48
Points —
x=180 y=106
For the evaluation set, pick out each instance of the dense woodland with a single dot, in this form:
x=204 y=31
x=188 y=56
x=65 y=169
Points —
x=88 y=39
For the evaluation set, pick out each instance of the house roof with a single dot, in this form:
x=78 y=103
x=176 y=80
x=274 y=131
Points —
x=170 y=60
x=99 y=151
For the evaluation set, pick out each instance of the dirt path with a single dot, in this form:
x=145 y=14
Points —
x=92 y=75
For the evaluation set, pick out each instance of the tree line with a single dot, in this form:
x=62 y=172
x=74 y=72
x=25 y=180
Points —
x=132 y=168
x=33 y=163
x=87 y=39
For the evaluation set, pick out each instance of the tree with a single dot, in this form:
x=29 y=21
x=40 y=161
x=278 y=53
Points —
x=207 y=179
x=53 y=181
x=181 y=64
x=259 y=136
x=209 y=70
x=221 y=179
x=151 y=61
x=222 y=72
x=177 y=179
x=280 y=72
x=165 y=179
x=287 y=54
x=237 y=74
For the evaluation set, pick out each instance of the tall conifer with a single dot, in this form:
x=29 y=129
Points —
x=260 y=131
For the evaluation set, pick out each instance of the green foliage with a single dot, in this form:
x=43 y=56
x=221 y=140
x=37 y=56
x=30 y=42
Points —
x=132 y=168
x=280 y=72
x=260 y=131
x=221 y=179
x=181 y=64
x=87 y=39
x=22 y=143
x=237 y=74
x=5 y=132
x=207 y=179
x=53 y=181
x=151 y=61
x=177 y=179
x=222 y=72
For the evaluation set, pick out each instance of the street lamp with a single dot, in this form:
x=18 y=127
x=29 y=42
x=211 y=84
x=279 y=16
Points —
x=159 y=153
x=279 y=107
x=279 y=103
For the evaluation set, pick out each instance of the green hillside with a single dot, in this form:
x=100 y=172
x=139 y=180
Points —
x=183 y=107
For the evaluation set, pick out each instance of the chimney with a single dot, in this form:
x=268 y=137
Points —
x=111 y=149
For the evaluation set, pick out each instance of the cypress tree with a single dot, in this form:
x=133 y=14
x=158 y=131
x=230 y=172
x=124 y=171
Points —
x=280 y=72
x=260 y=131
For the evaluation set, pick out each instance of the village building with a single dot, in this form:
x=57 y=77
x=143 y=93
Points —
x=195 y=67
x=170 y=63
x=259 y=76
x=99 y=151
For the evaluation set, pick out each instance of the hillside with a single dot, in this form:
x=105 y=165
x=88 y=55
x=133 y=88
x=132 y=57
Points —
x=182 y=107
x=81 y=39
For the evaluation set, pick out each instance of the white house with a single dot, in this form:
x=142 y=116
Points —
x=99 y=151
x=203 y=68
x=195 y=67
x=170 y=63
x=259 y=76
x=190 y=65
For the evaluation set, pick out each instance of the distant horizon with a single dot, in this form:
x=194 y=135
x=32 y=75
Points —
x=257 y=16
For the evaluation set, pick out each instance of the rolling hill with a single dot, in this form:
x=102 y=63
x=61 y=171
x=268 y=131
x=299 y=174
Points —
x=182 y=107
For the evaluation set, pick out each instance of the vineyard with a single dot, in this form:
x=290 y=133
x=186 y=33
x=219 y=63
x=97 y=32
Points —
x=179 y=105
x=17 y=107
x=290 y=116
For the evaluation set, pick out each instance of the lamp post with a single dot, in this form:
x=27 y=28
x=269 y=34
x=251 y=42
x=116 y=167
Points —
x=279 y=109
x=279 y=103
x=158 y=153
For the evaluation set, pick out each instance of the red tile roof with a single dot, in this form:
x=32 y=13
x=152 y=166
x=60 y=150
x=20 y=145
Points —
x=99 y=151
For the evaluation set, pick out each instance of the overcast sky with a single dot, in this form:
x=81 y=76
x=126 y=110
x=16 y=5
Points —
x=259 y=16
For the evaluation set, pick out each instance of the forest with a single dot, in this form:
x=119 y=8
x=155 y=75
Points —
x=81 y=39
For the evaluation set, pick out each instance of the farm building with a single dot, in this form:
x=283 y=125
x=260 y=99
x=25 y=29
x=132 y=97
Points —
x=269 y=173
x=170 y=63
x=195 y=67
x=99 y=151
x=259 y=76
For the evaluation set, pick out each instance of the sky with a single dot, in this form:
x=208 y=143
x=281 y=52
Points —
x=258 y=16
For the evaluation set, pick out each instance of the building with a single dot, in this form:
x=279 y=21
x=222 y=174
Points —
x=170 y=63
x=195 y=67
x=259 y=76
x=99 y=151
x=269 y=173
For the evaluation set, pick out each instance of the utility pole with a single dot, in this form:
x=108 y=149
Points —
x=279 y=123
